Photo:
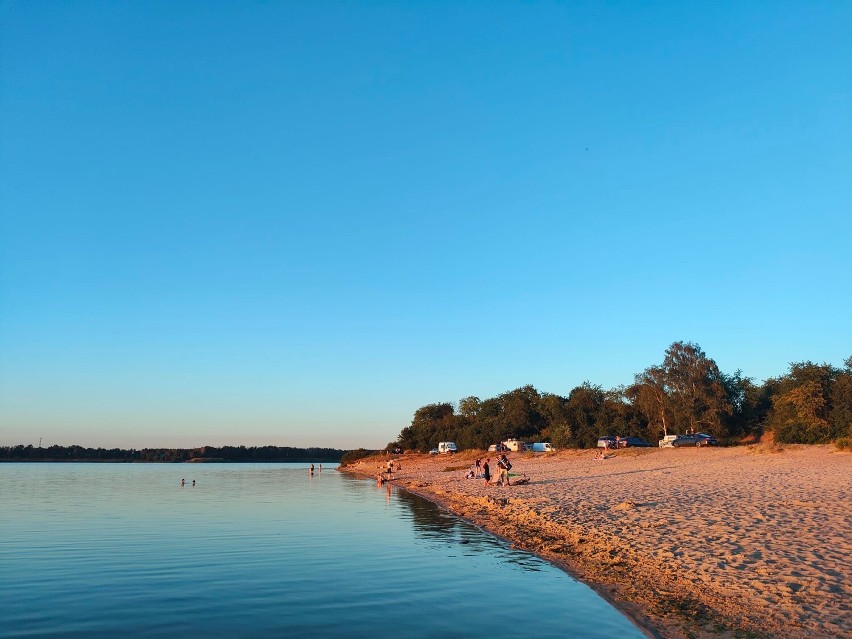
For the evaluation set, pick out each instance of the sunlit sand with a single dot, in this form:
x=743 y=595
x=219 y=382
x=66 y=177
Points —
x=690 y=542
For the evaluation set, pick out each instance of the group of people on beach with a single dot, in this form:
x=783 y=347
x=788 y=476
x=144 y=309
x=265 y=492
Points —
x=387 y=472
x=482 y=470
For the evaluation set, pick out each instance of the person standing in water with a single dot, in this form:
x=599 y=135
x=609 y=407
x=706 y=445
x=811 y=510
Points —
x=312 y=469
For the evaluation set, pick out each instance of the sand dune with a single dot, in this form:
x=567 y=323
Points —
x=725 y=542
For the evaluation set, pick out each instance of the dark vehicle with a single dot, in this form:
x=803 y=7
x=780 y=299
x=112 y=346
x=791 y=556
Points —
x=701 y=439
x=607 y=441
x=706 y=440
x=633 y=442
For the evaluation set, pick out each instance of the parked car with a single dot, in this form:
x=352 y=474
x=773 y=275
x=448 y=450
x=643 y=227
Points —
x=706 y=440
x=434 y=451
x=633 y=442
x=678 y=441
x=607 y=441
x=447 y=447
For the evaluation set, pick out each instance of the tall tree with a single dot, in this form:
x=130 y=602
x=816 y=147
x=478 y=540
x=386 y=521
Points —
x=750 y=404
x=840 y=413
x=519 y=413
x=469 y=406
x=554 y=411
x=584 y=414
x=432 y=423
x=698 y=396
x=649 y=394
x=686 y=391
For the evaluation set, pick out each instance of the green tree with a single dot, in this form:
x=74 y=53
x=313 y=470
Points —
x=519 y=415
x=687 y=392
x=801 y=404
x=750 y=404
x=469 y=407
x=584 y=412
x=649 y=395
x=840 y=411
x=557 y=426
x=432 y=423
x=695 y=388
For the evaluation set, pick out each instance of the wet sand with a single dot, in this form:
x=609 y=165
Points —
x=727 y=542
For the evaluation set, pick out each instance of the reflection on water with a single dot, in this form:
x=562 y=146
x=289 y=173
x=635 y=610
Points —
x=433 y=523
x=428 y=519
x=259 y=550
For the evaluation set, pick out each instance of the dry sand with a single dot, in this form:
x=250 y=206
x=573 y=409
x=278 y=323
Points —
x=728 y=542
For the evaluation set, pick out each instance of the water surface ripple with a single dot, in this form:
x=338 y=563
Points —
x=263 y=550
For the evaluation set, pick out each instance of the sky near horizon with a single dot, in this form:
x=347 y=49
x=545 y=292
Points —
x=294 y=223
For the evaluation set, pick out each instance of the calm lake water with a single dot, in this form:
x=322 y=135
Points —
x=263 y=550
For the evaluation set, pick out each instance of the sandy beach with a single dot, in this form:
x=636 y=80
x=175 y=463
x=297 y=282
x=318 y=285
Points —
x=751 y=541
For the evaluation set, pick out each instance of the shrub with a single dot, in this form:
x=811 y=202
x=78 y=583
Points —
x=843 y=443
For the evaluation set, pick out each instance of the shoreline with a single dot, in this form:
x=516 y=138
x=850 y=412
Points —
x=709 y=543
x=629 y=611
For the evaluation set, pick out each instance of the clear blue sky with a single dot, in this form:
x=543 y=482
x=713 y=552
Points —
x=295 y=223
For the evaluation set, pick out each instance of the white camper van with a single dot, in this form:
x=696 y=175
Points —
x=542 y=447
x=515 y=445
x=447 y=447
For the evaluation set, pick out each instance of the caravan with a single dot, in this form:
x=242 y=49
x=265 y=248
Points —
x=515 y=445
x=447 y=447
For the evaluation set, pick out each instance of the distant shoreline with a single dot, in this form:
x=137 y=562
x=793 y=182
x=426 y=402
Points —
x=728 y=542
x=187 y=461
x=197 y=454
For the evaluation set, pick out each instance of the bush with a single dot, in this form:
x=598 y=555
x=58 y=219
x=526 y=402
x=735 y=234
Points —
x=843 y=443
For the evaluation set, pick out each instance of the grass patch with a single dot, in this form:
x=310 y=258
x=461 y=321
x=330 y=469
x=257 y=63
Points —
x=843 y=443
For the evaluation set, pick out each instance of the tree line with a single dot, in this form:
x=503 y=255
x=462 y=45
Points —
x=205 y=453
x=810 y=404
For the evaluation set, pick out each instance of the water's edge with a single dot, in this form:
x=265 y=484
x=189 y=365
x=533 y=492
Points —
x=628 y=610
